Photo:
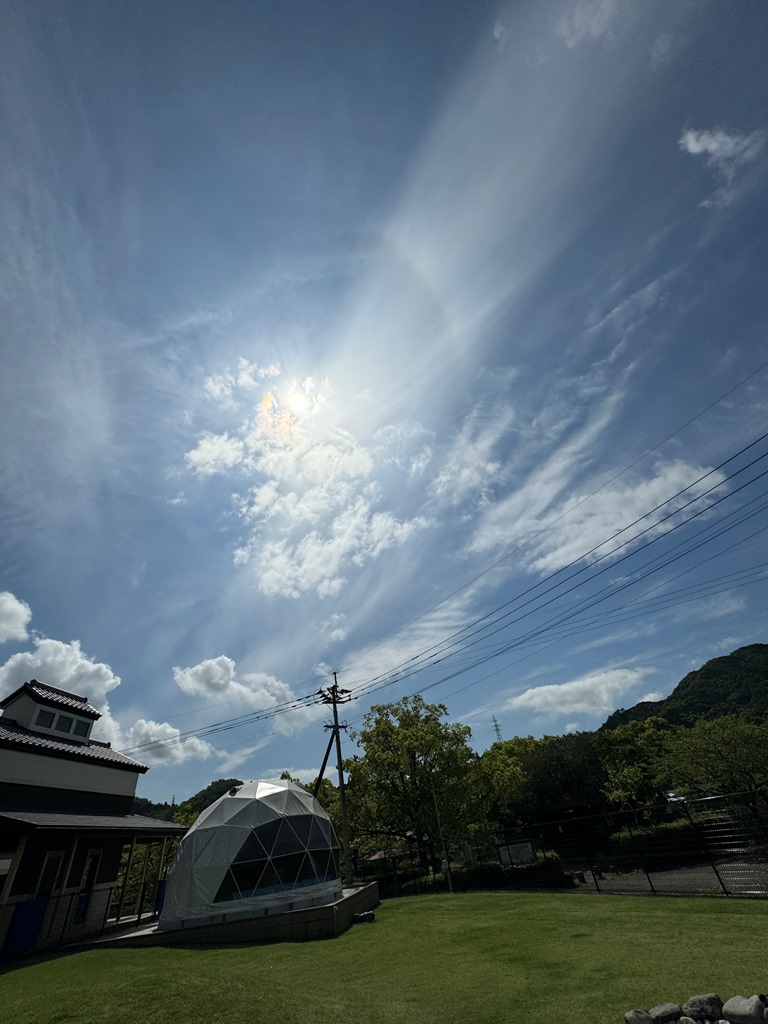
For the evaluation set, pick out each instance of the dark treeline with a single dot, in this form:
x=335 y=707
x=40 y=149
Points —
x=415 y=773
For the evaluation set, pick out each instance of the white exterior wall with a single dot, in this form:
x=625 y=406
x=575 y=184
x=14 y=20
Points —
x=23 y=710
x=29 y=769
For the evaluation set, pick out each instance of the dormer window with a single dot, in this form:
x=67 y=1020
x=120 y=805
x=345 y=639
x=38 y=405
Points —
x=45 y=719
x=81 y=727
x=64 y=723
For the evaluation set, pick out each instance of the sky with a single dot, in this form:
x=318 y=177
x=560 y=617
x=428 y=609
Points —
x=421 y=342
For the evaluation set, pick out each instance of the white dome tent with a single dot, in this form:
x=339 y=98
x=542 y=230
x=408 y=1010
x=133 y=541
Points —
x=261 y=845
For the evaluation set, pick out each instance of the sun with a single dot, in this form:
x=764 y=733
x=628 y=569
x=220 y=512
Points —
x=297 y=402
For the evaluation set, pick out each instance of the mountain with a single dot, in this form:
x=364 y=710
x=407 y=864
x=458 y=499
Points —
x=736 y=684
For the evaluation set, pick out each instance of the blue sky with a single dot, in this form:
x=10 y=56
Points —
x=329 y=329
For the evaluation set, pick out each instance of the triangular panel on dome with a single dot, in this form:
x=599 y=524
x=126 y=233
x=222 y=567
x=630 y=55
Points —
x=267 y=833
x=286 y=841
x=301 y=825
x=307 y=873
x=254 y=812
x=288 y=867
x=270 y=880
x=327 y=829
x=252 y=849
x=317 y=840
x=228 y=889
x=321 y=859
x=248 y=876
x=294 y=804
x=266 y=789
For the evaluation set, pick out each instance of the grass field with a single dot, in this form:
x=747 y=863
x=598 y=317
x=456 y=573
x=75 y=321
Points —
x=466 y=959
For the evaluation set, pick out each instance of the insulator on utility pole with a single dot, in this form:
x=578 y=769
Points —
x=335 y=695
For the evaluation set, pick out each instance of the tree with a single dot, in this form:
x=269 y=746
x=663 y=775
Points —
x=631 y=755
x=562 y=773
x=414 y=768
x=502 y=779
x=726 y=755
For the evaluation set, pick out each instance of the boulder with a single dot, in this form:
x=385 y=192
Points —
x=704 y=1007
x=745 y=1009
x=665 y=1013
x=637 y=1017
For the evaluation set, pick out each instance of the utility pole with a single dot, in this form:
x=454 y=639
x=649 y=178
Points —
x=334 y=696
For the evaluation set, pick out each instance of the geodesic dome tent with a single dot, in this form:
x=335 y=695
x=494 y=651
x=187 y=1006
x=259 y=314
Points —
x=260 y=845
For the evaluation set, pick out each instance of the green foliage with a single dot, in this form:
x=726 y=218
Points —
x=726 y=755
x=630 y=754
x=545 y=872
x=164 y=811
x=731 y=685
x=412 y=760
x=562 y=772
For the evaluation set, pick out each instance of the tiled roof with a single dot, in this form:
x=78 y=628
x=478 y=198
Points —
x=12 y=735
x=51 y=695
x=136 y=823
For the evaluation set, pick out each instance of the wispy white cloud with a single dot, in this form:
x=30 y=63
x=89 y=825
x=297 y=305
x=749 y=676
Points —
x=215 y=453
x=587 y=20
x=595 y=694
x=473 y=462
x=15 y=616
x=249 y=375
x=242 y=755
x=334 y=628
x=727 y=154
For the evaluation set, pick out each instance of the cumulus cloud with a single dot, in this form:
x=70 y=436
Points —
x=595 y=694
x=161 y=743
x=15 y=616
x=654 y=695
x=725 y=153
x=587 y=20
x=217 y=680
x=68 y=667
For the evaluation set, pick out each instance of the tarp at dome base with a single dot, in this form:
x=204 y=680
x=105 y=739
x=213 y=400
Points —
x=262 y=845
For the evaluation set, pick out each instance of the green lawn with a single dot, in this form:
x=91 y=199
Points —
x=469 y=959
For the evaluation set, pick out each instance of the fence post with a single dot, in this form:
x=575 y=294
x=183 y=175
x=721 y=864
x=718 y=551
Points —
x=705 y=845
x=638 y=851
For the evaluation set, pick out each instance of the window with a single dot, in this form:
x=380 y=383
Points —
x=64 y=723
x=81 y=727
x=45 y=719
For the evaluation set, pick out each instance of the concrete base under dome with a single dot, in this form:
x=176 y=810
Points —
x=281 y=925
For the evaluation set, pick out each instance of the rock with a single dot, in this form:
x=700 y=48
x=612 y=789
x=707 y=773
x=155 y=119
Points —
x=704 y=1007
x=745 y=1009
x=637 y=1017
x=687 y=1020
x=665 y=1013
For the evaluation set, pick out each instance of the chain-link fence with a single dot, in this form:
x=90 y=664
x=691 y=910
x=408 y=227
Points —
x=712 y=846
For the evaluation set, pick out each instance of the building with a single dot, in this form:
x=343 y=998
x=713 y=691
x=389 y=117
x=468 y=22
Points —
x=74 y=860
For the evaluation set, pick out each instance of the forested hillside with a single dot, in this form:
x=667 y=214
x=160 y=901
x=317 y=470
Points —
x=736 y=684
